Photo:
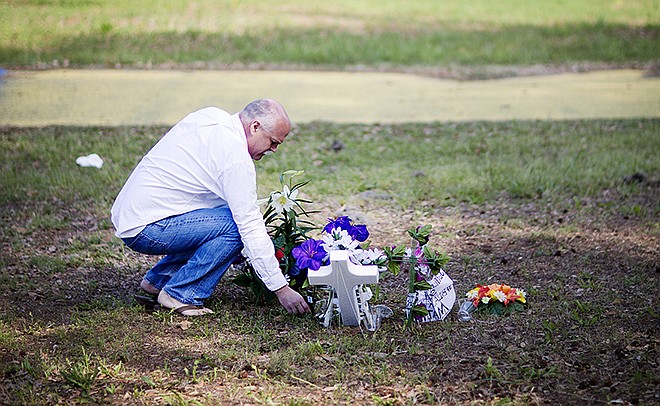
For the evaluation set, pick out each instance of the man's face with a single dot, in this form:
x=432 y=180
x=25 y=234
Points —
x=262 y=142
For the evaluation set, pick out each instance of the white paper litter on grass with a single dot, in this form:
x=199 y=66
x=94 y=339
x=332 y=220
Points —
x=90 y=160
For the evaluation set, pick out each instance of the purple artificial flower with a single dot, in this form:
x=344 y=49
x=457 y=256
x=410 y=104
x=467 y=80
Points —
x=359 y=232
x=309 y=254
x=423 y=266
x=343 y=222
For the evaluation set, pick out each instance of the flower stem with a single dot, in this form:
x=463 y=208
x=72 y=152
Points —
x=412 y=277
x=412 y=267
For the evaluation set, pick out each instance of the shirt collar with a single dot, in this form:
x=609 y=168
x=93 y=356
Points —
x=238 y=126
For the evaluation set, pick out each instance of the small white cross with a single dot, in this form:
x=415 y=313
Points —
x=344 y=276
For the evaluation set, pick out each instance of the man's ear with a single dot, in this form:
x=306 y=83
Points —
x=255 y=125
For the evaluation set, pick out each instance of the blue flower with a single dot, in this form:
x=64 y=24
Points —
x=343 y=222
x=359 y=232
x=309 y=254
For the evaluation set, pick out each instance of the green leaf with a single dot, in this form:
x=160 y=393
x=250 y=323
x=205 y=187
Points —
x=436 y=259
x=299 y=185
x=419 y=310
x=393 y=267
x=399 y=250
x=268 y=211
x=422 y=285
x=380 y=262
x=421 y=234
x=270 y=218
x=495 y=308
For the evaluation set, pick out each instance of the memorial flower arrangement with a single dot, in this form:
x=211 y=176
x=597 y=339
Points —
x=298 y=253
x=422 y=263
x=497 y=298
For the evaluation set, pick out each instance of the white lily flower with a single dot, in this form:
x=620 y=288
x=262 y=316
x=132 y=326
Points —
x=375 y=254
x=284 y=201
x=292 y=194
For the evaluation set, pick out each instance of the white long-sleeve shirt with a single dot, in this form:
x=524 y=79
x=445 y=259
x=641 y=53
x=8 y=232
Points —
x=202 y=162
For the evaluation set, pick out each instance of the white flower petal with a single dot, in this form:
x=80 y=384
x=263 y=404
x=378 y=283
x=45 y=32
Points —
x=277 y=202
x=293 y=195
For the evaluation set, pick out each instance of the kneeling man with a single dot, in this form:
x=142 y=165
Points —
x=193 y=199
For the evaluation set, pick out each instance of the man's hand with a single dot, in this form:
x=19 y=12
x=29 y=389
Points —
x=292 y=301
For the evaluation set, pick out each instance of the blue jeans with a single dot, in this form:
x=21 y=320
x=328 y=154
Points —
x=198 y=246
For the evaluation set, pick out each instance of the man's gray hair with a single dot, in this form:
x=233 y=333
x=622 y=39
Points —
x=267 y=111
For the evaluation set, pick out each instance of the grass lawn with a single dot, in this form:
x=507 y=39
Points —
x=547 y=207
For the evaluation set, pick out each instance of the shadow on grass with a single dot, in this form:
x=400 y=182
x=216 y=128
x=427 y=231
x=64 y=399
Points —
x=510 y=45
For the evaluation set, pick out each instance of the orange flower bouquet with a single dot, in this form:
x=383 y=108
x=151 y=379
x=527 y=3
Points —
x=496 y=298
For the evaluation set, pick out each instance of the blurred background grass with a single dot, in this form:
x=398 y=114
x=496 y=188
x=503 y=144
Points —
x=43 y=33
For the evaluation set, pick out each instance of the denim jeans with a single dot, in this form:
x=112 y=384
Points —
x=198 y=246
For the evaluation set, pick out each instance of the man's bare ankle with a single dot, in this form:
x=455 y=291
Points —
x=149 y=288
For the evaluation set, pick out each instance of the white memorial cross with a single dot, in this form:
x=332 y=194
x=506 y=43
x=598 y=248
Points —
x=344 y=276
